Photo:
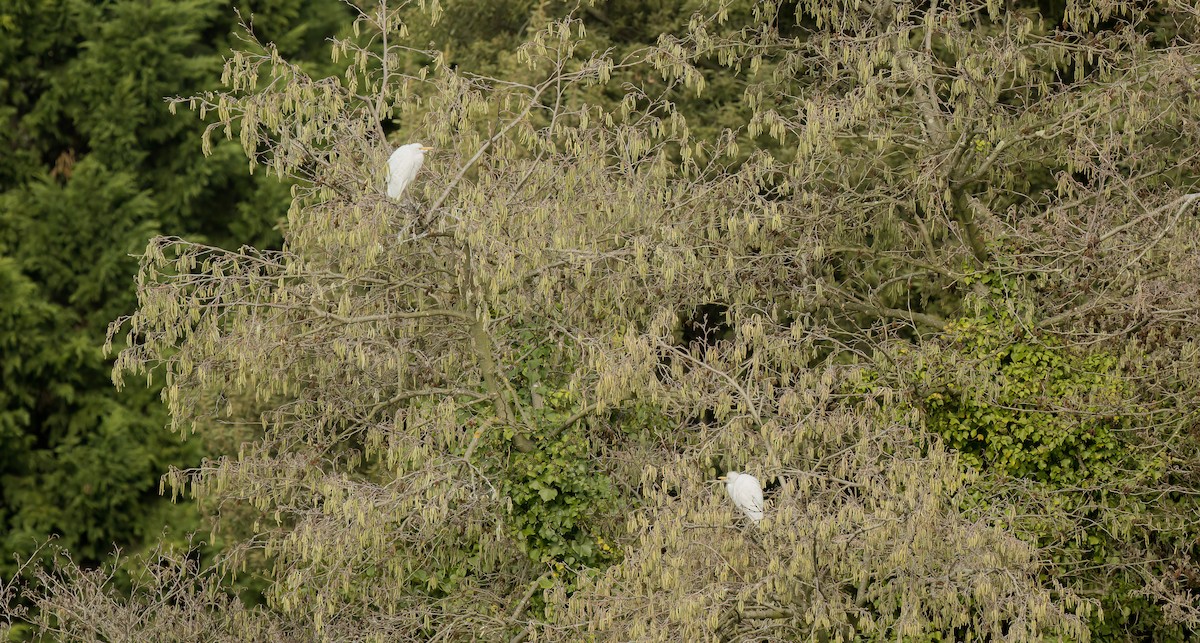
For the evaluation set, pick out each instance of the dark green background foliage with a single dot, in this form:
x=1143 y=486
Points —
x=91 y=165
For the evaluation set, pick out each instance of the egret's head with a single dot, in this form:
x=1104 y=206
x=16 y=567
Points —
x=729 y=477
x=417 y=148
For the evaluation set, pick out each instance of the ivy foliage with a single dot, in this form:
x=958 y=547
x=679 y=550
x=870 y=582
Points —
x=1045 y=418
x=1052 y=427
x=560 y=496
x=556 y=494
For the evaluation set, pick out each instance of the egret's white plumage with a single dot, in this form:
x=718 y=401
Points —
x=745 y=492
x=403 y=166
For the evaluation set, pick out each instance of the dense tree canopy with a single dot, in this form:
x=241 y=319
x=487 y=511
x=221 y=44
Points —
x=928 y=271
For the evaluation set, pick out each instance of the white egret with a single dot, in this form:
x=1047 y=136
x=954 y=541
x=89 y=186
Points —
x=403 y=166
x=745 y=492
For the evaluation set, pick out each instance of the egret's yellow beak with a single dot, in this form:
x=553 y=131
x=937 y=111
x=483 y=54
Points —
x=426 y=148
x=722 y=478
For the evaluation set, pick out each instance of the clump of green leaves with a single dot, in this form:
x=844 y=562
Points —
x=1047 y=423
x=557 y=492
x=1043 y=413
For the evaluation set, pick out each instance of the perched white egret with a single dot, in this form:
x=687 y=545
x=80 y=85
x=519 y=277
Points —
x=403 y=166
x=745 y=492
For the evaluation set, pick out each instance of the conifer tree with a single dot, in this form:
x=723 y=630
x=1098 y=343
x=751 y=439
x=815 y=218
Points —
x=93 y=165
